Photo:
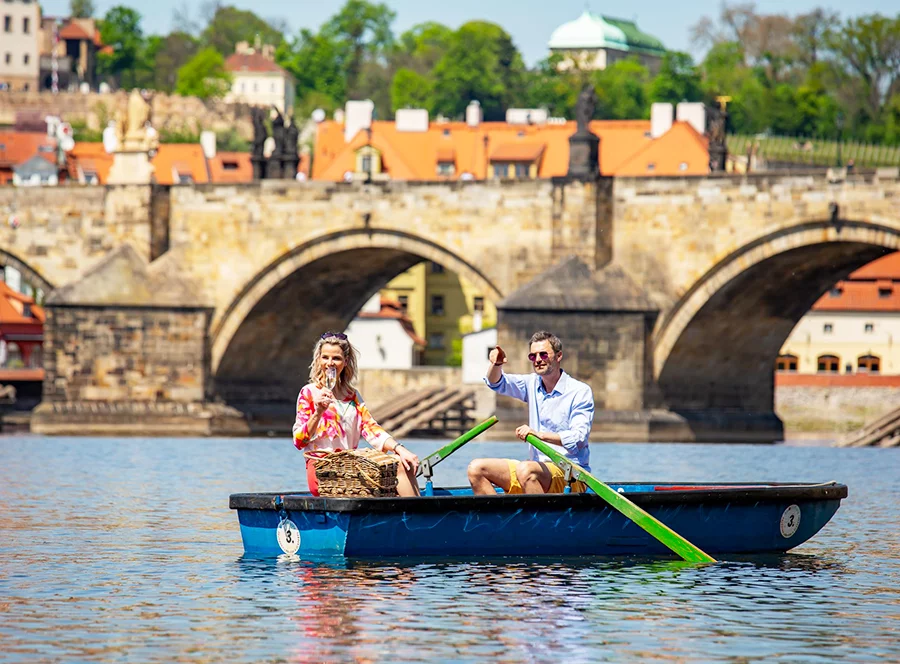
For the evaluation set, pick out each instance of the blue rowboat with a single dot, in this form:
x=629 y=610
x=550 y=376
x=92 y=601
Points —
x=718 y=518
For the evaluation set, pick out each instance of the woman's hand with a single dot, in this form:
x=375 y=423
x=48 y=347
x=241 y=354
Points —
x=407 y=458
x=323 y=400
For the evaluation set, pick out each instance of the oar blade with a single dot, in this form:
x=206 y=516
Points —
x=665 y=535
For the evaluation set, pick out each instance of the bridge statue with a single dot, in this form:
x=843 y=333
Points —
x=584 y=145
x=260 y=134
x=136 y=140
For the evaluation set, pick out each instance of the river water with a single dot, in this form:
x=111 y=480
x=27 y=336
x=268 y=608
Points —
x=125 y=550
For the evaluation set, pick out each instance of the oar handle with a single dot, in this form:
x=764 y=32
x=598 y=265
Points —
x=437 y=456
x=619 y=502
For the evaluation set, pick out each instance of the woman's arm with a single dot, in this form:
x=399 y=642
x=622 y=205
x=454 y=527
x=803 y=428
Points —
x=309 y=414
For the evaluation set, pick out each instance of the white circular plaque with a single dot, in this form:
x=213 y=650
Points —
x=790 y=521
x=289 y=536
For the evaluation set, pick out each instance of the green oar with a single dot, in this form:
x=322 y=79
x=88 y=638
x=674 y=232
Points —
x=435 y=458
x=616 y=500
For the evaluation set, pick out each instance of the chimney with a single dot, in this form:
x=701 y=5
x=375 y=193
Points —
x=473 y=113
x=357 y=116
x=694 y=113
x=208 y=143
x=660 y=119
x=411 y=119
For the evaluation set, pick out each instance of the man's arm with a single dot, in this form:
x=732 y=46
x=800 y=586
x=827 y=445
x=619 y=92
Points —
x=575 y=436
x=497 y=358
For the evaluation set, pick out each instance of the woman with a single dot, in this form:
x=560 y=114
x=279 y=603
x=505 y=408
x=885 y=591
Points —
x=336 y=418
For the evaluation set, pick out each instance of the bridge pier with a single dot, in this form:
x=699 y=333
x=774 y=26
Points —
x=126 y=352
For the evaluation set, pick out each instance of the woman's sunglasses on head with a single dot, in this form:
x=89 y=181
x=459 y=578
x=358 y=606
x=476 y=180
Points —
x=336 y=335
x=544 y=355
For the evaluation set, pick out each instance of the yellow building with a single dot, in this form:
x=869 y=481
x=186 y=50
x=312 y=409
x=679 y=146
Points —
x=442 y=306
x=852 y=328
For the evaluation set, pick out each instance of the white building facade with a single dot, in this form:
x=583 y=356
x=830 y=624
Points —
x=20 y=23
x=257 y=80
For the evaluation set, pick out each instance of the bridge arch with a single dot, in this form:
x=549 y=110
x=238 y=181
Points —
x=349 y=266
x=29 y=274
x=716 y=348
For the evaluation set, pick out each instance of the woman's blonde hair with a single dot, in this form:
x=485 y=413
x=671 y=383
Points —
x=317 y=372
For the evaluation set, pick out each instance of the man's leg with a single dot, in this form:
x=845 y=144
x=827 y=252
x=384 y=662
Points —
x=533 y=476
x=485 y=474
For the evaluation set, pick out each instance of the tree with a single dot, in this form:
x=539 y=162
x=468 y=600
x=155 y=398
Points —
x=204 y=76
x=623 y=91
x=678 y=80
x=317 y=64
x=363 y=32
x=869 y=48
x=81 y=8
x=810 y=34
x=172 y=53
x=228 y=26
x=546 y=86
x=120 y=29
x=410 y=89
x=421 y=47
x=482 y=63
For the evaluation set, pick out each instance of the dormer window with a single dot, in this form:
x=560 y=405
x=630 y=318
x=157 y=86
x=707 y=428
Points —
x=446 y=168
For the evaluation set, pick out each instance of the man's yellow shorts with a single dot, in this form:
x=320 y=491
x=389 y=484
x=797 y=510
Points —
x=557 y=479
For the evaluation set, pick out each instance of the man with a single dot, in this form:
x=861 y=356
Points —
x=560 y=412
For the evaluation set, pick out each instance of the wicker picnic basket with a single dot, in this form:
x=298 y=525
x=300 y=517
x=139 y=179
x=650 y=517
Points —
x=356 y=473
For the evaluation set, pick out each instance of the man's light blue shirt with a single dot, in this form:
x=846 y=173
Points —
x=568 y=410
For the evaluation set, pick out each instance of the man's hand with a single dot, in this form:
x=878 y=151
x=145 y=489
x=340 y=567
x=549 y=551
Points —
x=523 y=431
x=497 y=355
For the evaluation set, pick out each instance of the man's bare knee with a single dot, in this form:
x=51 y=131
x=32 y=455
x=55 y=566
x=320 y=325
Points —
x=477 y=469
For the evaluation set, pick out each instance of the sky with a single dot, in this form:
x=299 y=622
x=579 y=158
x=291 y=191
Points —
x=530 y=22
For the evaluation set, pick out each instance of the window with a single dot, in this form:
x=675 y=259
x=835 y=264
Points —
x=501 y=170
x=827 y=328
x=683 y=166
x=446 y=168
x=8 y=58
x=404 y=303
x=884 y=291
x=437 y=305
x=869 y=328
x=522 y=171
x=26 y=25
x=185 y=179
x=835 y=292
x=828 y=364
x=446 y=132
x=478 y=304
x=25 y=59
x=436 y=340
x=255 y=87
x=229 y=165
x=26 y=310
x=7 y=24
x=868 y=364
x=366 y=163
x=651 y=167
x=786 y=363
x=437 y=268
x=272 y=87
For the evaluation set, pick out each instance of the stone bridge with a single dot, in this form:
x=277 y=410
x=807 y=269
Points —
x=728 y=265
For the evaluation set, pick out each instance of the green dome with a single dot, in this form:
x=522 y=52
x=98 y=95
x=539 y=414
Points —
x=591 y=31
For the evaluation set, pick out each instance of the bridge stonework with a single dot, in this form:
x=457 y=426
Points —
x=731 y=264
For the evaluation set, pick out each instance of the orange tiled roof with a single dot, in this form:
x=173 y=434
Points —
x=231 y=167
x=177 y=159
x=391 y=310
x=89 y=157
x=74 y=31
x=414 y=155
x=251 y=62
x=17 y=147
x=886 y=267
x=861 y=296
x=680 y=151
x=12 y=309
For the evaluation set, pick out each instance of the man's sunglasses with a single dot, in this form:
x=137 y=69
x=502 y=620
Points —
x=544 y=355
x=336 y=335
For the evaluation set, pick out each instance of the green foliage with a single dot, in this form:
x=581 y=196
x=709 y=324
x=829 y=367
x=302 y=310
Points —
x=623 y=91
x=481 y=63
x=121 y=30
x=81 y=8
x=454 y=357
x=317 y=64
x=204 y=76
x=410 y=90
x=231 y=141
x=80 y=132
x=678 y=80
x=171 y=53
x=230 y=25
x=362 y=32
x=183 y=134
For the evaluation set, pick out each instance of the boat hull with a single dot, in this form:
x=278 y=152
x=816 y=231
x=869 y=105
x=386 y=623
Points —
x=717 y=518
